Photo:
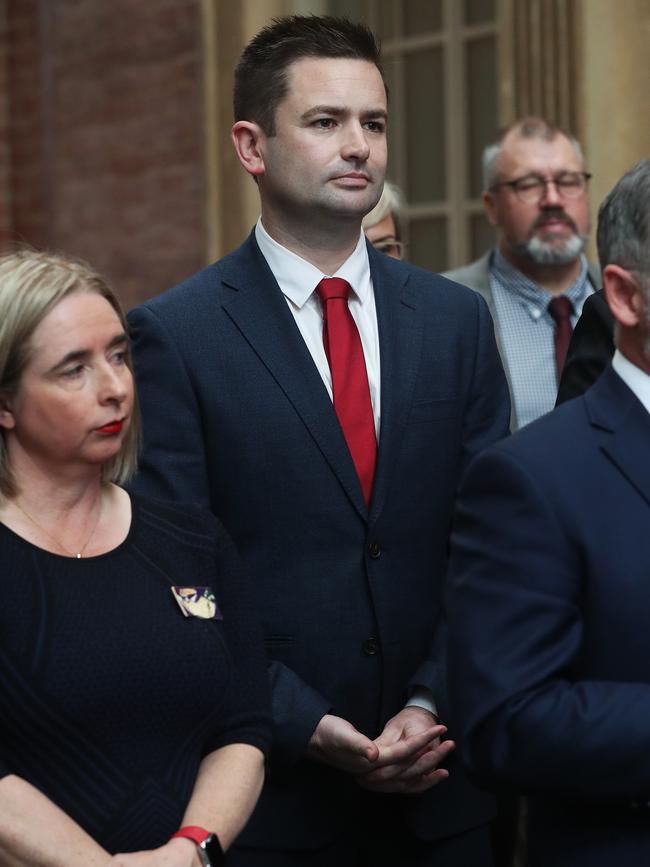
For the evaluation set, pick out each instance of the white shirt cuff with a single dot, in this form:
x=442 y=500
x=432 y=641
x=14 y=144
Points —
x=422 y=697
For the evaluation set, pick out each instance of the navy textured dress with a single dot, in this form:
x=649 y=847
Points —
x=109 y=695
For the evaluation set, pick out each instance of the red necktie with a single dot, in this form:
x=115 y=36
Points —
x=561 y=309
x=349 y=379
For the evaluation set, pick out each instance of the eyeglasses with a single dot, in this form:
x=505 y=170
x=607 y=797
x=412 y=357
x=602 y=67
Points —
x=390 y=248
x=531 y=188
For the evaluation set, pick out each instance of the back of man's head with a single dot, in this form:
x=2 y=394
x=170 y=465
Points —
x=624 y=222
x=261 y=74
x=526 y=128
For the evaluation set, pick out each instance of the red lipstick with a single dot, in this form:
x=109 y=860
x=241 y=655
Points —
x=113 y=427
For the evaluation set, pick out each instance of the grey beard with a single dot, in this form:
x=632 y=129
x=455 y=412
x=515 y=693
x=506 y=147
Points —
x=544 y=253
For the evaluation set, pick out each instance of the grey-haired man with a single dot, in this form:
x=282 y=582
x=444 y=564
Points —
x=536 y=278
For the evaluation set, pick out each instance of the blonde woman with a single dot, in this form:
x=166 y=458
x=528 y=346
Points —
x=132 y=688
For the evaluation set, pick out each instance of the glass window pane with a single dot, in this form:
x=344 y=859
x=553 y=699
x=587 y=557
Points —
x=352 y=9
x=392 y=168
x=428 y=243
x=389 y=65
x=425 y=125
x=386 y=19
x=482 y=110
x=422 y=16
x=481 y=234
x=479 y=11
x=395 y=135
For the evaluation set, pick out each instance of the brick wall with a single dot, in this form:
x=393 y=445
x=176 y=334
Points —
x=5 y=150
x=27 y=199
x=105 y=135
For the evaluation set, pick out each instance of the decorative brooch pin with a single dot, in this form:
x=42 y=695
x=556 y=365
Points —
x=197 y=602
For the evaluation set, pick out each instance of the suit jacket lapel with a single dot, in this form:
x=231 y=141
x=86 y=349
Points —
x=622 y=425
x=400 y=340
x=260 y=312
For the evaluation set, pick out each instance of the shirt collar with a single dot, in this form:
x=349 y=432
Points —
x=298 y=278
x=531 y=295
x=636 y=379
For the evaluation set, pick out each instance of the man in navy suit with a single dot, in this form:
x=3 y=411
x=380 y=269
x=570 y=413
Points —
x=345 y=535
x=549 y=592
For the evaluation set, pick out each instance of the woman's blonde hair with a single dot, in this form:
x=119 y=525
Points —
x=31 y=284
x=390 y=202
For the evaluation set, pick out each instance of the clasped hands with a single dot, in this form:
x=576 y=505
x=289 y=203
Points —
x=404 y=758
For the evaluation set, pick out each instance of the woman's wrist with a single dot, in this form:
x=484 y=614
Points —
x=206 y=843
x=187 y=847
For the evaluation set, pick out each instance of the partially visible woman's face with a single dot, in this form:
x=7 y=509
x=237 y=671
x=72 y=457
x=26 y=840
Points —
x=383 y=236
x=74 y=401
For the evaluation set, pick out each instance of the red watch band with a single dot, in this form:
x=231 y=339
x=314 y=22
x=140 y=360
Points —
x=192 y=832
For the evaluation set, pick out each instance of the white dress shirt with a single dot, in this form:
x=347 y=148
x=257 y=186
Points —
x=298 y=280
x=636 y=379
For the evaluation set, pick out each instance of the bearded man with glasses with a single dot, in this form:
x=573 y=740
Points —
x=537 y=278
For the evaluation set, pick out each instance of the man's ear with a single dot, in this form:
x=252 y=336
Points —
x=246 y=137
x=490 y=208
x=7 y=420
x=624 y=295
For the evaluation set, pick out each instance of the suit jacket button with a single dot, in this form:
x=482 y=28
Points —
x=374 y=550
x=371 y=646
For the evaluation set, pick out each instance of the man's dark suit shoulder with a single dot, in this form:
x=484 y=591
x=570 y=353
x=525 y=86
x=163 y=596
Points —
x=209 y=283
x=201 y=285
x=548 y=645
